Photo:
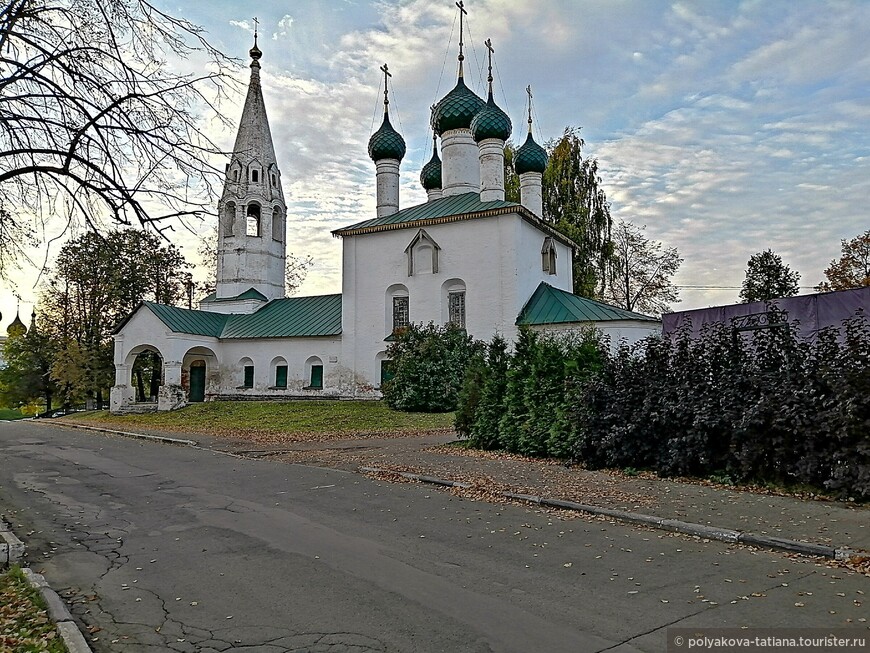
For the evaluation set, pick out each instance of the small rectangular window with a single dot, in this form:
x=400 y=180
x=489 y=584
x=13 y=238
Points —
x=401 y=316
x=249 y=376
x=456 y=306
x=281 y=376
x=255 y=176
x=274 y=182
x=316 y=377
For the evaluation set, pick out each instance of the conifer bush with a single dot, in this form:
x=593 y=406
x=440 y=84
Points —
x=748 y=406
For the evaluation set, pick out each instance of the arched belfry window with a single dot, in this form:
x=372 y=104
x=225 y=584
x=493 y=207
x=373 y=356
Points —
x=253 y=220
x=548 y=256
x=277 y=225
x=422 y=253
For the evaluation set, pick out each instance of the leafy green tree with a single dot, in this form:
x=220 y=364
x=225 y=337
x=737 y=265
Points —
x=428 y=364
x=767 y=277
x=26 y=376
x=640 y=271
x=852 y=270
x=96 y=282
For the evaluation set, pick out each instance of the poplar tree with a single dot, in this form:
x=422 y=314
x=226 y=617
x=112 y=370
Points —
x=768 y=277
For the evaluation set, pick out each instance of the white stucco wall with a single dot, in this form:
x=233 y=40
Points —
x=617 y=331
x=266 y=353
x=498 y=258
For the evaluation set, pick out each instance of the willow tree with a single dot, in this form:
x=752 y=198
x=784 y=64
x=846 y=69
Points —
x=97 y=126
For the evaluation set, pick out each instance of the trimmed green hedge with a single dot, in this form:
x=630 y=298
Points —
x=761 y=406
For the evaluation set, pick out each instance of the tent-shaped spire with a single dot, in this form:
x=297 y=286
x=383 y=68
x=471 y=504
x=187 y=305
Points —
x=254 y=138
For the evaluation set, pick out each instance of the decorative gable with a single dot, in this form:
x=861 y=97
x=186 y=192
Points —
x=422 y=253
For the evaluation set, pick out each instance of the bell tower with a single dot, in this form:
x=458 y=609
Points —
x=252 y=231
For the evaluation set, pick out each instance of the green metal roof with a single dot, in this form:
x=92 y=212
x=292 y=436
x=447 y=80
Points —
x=293 y=317
x=549 y=305
x=453 y=208
x=183 y=320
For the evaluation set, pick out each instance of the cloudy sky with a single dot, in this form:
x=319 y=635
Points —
x=724 y=127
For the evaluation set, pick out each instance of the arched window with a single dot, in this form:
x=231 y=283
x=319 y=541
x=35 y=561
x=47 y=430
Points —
x=314 y=373
x=548 y=256
x=453 y=298
x=398 y=308
x=422 y=253
x=253 y=220
x=279 y=372
x=277 y=226
x=228 y=218
x=246 y=372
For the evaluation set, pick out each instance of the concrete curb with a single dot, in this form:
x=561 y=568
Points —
x=11 y=548
x=128 y=434
x=673 y=525
x=59 y=613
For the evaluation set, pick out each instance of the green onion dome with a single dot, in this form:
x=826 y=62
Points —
x=491 y=122
x=457 y=109
x=430 y=175
x=531 y=157
x=386 y=143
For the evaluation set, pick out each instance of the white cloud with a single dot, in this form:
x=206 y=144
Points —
x=284 y=26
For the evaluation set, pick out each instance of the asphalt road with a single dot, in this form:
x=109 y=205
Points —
x=165 y=548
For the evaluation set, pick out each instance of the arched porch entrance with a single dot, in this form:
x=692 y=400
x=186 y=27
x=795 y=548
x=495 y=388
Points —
x=199 y=373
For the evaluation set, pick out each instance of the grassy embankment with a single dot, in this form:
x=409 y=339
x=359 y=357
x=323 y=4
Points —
x=11 y=413
x=287 y=420
x=24 y=622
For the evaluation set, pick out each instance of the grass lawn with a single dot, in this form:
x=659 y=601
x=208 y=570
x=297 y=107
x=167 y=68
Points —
x=10 y=413
x=24 y=622
x=293 y=420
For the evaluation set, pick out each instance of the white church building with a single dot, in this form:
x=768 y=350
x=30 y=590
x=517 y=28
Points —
x=465 y=256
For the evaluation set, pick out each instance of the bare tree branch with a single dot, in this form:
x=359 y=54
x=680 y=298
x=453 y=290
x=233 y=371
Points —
x=91 y=110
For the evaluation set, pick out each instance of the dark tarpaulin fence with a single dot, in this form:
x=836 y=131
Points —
x=811 y=312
